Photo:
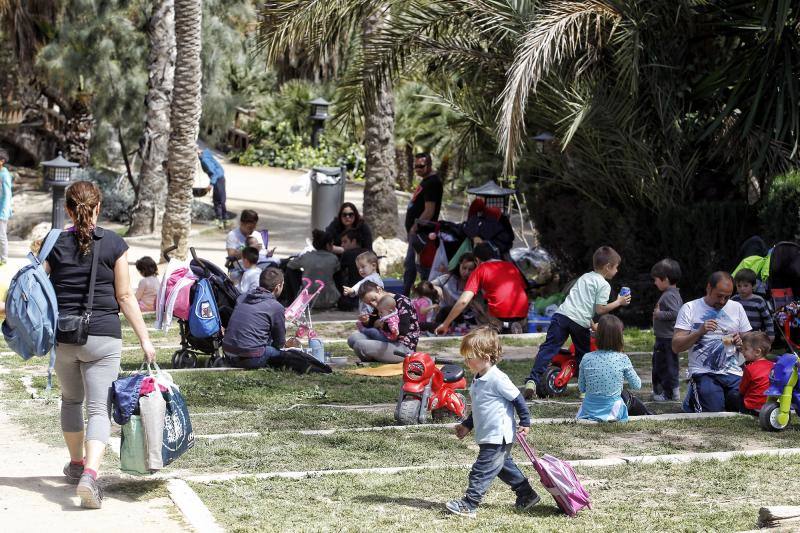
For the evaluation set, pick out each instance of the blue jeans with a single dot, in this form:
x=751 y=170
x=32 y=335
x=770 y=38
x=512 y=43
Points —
x=253 y=362
x=559 y=329
x=219 y=198
x=411 y=268
x=374 y=334
x=494 y=460
x=713 y=393
x=665 y=367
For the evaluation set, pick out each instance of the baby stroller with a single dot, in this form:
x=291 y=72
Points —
x=224 y=293
x=784 y=290
x=298 y=314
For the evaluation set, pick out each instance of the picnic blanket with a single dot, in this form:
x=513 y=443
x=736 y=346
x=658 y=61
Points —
x=381 y=371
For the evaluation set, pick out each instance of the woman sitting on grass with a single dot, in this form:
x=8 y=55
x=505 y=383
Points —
x=603 y=373
x=385 y=351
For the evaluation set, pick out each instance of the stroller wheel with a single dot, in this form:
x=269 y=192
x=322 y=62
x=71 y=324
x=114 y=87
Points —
x=175 y=357
x=186 y=360
x=220 y=362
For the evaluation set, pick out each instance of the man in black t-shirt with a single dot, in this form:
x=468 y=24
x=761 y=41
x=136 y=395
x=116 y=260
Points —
x=424 y=205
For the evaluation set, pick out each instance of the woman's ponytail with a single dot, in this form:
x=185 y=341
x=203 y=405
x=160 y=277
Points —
x=83 y=197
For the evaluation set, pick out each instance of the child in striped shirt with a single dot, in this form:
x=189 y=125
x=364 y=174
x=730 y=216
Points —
x=754 y=305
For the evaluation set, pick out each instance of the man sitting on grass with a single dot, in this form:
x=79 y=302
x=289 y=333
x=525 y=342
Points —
x=710 y=328
x=257 y=328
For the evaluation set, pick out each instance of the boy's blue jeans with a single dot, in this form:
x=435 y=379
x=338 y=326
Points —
x=494 y=460
x=254 y=362
x=559 y=329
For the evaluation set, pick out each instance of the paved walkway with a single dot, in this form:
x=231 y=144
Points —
x=35 y=498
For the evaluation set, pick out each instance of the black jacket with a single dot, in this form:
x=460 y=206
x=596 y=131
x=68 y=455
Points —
x=257 y=322
x=336 y=228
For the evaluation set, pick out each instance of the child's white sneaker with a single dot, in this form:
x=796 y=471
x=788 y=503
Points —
x=659 y=398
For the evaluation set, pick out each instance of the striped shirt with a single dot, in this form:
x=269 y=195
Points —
x=757 y=313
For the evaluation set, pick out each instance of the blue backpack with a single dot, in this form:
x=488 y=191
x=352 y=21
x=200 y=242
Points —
x=204 y=319
x=31 y=306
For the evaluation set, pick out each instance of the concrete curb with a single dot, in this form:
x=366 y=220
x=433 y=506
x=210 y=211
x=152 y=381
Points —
x=192 y=507
x=424 y=427
x=586 y=463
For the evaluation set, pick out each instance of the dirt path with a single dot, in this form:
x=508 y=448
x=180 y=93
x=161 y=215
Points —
x=35 y=498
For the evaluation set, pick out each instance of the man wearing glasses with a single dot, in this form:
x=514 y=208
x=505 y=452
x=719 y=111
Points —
x=424 y=205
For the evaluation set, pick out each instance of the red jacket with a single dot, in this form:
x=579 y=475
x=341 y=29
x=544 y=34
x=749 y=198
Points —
x=755 y=380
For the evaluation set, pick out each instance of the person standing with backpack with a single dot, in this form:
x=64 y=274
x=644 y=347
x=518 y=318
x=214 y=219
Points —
x=89 y=337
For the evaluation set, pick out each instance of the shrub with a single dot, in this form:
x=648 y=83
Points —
x=780 y=210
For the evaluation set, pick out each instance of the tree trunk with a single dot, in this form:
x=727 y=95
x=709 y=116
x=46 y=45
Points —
x=152 y=185
x=78 y=131
x=185 y=122
x=380 y=203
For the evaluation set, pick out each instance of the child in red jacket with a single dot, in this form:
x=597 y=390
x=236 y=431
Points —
x=755 y=379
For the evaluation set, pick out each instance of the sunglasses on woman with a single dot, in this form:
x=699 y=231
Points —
x=348 y=214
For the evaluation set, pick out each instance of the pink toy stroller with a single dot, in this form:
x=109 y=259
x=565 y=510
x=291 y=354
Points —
x=298 y=313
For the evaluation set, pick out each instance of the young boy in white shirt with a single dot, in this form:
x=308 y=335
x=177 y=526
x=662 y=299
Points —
x=494 y=400
x=251 y=272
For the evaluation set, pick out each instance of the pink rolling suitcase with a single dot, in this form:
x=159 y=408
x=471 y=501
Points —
x=559 y=479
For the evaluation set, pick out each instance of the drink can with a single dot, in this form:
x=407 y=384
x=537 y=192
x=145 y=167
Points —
x=625 y=291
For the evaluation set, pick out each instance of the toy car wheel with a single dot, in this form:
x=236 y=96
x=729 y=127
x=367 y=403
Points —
x=768 y=417
x=547 y=385
x=408 y=411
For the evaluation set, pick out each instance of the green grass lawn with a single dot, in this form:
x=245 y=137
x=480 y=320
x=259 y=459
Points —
x=699 y=496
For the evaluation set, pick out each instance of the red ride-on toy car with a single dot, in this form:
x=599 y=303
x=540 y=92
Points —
x=562 y=369
x=427 y=388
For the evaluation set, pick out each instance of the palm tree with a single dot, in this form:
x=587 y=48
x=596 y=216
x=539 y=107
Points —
x=152 y=184
x=185 y=123
x=316 y=26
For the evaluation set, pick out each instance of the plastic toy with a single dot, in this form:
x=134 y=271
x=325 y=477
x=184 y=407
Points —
x=427 y=388
x=783 y=394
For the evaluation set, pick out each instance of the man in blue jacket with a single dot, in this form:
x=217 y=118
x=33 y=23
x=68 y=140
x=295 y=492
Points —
x=257 y=328
x=216 y=176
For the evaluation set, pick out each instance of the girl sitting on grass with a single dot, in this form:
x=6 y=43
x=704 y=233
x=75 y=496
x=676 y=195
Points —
x=602 y=374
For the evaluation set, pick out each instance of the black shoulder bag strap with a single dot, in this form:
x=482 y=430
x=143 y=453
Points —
x=92 y=278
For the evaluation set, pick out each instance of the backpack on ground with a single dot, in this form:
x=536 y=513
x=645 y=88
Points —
x=31 y=306
x=204 y=319
x=559 y=479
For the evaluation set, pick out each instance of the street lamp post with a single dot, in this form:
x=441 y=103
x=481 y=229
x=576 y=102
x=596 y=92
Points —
x=319 y=114
x=58 y=175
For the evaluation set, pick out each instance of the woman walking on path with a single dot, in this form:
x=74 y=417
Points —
x=5 y=206
x=85 y=372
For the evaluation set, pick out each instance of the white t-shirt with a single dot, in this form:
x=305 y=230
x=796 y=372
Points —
x=710 y=355
x=591 y=290
x=236 y=239
x=250 y=279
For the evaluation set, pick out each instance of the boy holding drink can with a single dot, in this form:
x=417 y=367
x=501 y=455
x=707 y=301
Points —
x=588 y=297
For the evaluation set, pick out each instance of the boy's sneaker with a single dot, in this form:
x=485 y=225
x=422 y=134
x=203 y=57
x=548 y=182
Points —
x=527 y=501
x=659 y=398
x=530 y=390
x=73 y=473
x=90 y=493
x=461 y=508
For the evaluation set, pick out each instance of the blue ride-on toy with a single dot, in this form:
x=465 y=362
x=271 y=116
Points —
x=783 y=394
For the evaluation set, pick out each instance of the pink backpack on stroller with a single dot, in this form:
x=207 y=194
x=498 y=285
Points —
x=559 y=479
